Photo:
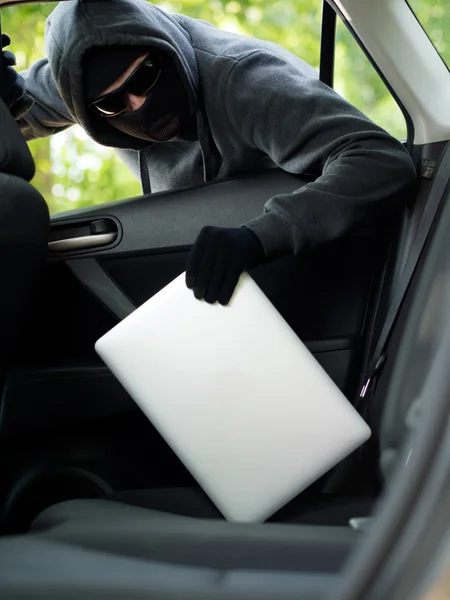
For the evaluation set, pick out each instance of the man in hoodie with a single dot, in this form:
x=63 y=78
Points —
x=185 y=103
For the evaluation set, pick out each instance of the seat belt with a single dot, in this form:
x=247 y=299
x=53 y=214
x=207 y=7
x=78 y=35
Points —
x=97 y=281
x=144 y=173
x=437 y=193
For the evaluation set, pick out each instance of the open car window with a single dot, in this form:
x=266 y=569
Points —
x=71 y=168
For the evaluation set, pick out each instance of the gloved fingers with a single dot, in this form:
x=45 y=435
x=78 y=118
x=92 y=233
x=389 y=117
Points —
x=9 y=59
x=204 y=271
x=22 y=106
x=13 y=86
x=217 y=278
x=204 y=244
x=194 y=259
x=6 y=40
x=10 y=78
x=229 y=284
x=217 y=260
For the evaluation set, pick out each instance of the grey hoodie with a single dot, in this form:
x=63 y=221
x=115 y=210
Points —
x=258 y=107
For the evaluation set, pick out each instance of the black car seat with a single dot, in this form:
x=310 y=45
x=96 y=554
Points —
x=105 y=548
x=24 y=230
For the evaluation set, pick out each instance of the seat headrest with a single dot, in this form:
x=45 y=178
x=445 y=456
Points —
x=15 y=156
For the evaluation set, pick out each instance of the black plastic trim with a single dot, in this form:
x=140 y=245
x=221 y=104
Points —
x=316 y=347
x=327 y=44
x=54 y=398
x=144 y=220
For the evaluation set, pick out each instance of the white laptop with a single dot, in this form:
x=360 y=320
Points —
x=236 y=394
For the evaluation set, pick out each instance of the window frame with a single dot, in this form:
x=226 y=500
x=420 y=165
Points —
x=327 y=52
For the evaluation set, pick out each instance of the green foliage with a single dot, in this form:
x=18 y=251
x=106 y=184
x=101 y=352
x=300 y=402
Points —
x=357 y=81
x=434 y=15
x=73 y=171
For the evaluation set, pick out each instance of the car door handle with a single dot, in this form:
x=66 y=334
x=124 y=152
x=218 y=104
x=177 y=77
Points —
x=82 y=242
x=80 y=235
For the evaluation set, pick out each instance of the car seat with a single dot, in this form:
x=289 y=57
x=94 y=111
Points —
x=24 y=230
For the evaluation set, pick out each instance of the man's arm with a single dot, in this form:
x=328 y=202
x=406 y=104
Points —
x=48 y=114
x=306 y=127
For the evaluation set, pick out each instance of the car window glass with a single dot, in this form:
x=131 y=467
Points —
x=358 y=82
x=434 y=16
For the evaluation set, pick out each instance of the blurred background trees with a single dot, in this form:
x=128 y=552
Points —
x=73 y=171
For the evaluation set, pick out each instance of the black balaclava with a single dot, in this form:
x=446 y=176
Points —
x=165 y=112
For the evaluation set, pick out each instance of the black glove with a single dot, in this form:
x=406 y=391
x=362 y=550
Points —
x=12 y=85
x=218 y=258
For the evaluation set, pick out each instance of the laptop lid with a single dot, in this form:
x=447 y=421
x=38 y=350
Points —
x=236 y=394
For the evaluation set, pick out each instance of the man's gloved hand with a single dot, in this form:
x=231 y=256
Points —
x=218 y=258
x=12 y=85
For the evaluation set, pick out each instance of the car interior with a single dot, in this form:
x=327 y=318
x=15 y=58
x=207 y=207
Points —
x=86 y=480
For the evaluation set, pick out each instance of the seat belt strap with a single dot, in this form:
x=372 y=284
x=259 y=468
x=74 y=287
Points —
x=437 y=193
x=144 y=174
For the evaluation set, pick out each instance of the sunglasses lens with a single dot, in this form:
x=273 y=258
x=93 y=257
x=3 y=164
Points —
x=111 y=104
x=140 y=82
x=143 y=79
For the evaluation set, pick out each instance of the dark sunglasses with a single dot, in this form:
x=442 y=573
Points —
x=139 y=83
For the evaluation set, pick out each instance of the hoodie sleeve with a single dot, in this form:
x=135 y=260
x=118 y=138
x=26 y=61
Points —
x=49 y=114
x=306 y=127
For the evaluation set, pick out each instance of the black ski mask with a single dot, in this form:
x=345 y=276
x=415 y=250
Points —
x=165 y=111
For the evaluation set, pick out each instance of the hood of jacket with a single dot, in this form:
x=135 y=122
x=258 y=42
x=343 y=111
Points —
x=76 y=27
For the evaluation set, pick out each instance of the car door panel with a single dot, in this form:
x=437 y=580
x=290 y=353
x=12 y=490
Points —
x=168 y=220
x=62 y=395
x=323 y=295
